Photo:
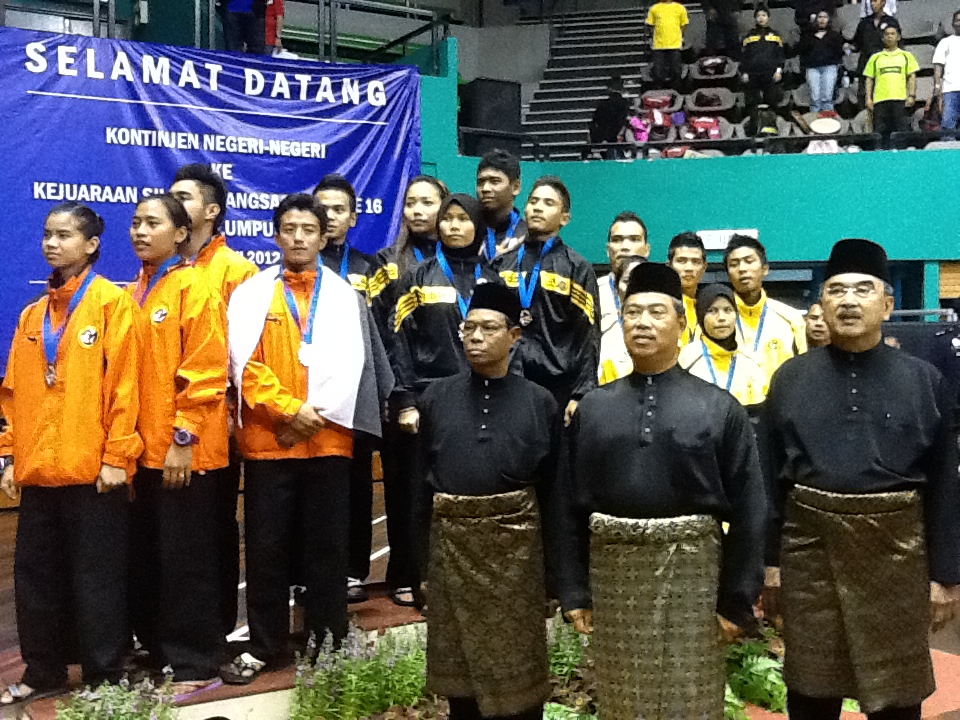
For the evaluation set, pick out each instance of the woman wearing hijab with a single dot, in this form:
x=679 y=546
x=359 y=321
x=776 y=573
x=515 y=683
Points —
x=715 y=357
x=432 y=304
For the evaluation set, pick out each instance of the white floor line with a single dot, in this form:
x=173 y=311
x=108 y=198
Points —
x=379 y=520
x=380 y=553
x=239 y=634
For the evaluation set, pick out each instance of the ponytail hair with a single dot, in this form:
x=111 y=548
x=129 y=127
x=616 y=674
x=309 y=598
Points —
x=88 y=221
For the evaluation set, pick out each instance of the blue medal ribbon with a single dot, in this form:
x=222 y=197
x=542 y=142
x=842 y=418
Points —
x=756 y=340
x=492 y=234
x=51 y=337
x=306 y=332
x=345 y=262
x=165 y=268
x=713 y=373
x=528 y=286
x=616 y=299
x=463 y=302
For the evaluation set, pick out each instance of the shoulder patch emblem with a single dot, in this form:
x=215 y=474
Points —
x=88 y=336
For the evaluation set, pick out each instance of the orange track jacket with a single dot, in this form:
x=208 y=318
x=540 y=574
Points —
x=275 y=384
x=183 y=376
x=62 y=435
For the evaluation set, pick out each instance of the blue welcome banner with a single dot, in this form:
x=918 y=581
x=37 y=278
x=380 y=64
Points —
x=108 y=122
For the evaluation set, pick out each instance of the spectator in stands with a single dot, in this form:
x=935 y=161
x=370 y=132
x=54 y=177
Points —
x=274 y=23
x=769 y=331
x=868 y=39
x=891 y=85
x=668 y=19
x=610 y=117
x=805 y=12
x=688 y=257
x=762 y=61
x=821 y=52
x=818 y=333
x=245 y=26
x=723 y=31
x=946 y=82
x=498 y=185
x=889 y=7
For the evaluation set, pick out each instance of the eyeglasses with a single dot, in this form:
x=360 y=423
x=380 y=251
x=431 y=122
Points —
x=486 y=328
x=862 y=290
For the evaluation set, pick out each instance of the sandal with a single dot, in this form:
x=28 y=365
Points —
x=21 y=693
x=184 y=691
x=243 y=670
x=397 y=598
x=356 y=592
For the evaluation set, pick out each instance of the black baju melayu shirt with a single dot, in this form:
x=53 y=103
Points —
x=486 y=436
x=560 y=349
x=668 y=445
x=870 y=422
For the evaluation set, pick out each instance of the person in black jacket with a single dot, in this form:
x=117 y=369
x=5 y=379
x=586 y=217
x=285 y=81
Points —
x=762 y=61
x=821 y=52
x=558 y=291
x=432 y=302
x=723 y=32
x=417 y=242
x=868 y=39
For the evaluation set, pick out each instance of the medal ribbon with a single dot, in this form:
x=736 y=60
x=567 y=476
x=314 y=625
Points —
x=492 y=234
x=616 y=299
x=756 y=340
x=345 y=262
x=51 y=337
x=305 y=331
x=463 y=302
x=528 y=286
x=168 y=265
x=713 y=373
x=418 y=253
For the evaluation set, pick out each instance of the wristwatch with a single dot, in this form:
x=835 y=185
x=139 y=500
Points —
x=183 y=437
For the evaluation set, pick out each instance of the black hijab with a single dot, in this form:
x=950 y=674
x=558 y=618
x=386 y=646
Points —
x=473 y=208
x=706 y=298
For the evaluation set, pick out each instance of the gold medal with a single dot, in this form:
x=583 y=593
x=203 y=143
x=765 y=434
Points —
x=525 y=317
x=51 y=376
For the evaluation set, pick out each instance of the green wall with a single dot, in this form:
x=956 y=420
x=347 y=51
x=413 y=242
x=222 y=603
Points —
x=801 y=204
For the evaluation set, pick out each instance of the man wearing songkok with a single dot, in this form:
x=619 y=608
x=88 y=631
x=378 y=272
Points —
x=659 y=459
x=865 y=494
x=489 y=442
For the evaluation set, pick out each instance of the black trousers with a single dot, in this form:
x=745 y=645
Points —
x=228 y=544
x=762 y=89
x=174 y=578
x=890 y=116
x=804 y=707
x=361 y=505
x=723 y=35
x=467 y=709
x=400 y=466
x=245 y=31
x=296 y=510
x=70 y=577
x=667 y=68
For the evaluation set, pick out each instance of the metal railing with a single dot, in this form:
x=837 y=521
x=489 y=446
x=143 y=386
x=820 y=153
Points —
x=95 y=14
x=533 y=139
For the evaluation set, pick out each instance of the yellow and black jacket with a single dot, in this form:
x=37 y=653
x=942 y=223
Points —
x=708 y=361
x=358 y=266
x=382 y=290
x=762 y=52
x=560 y=348
x=426 y=322
x=783 y=333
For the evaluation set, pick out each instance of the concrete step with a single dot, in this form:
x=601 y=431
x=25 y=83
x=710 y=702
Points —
x=593 y=70
x=633 y=45
x=542 y=128
x=598 y=81
x=574 y=114
x=561 y=137
x=576 y=102
x=628 y=59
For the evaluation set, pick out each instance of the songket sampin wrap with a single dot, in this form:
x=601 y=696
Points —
x=656 y=643
x=486 y=602
x=856 y=597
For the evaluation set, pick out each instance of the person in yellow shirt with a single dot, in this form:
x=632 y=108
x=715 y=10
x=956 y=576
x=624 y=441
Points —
x=183 y=385
x=769 y=331
x=70 y=399
x=715 y=357
x=891 y=76
x=688 y=257
x=669 y=19
x=204 y=195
